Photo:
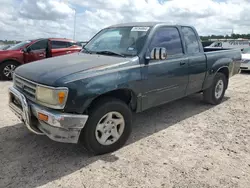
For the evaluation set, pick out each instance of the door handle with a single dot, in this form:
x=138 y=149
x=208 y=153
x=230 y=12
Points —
x=68 y=52
x=182 y=63
x=41 y=55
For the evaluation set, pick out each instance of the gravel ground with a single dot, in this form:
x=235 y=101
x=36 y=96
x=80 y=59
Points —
x=182 y=144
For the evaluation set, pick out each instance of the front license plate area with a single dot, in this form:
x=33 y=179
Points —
x=23 y=112
x=13 y=99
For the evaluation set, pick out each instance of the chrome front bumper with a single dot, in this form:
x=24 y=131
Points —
x=60 y=127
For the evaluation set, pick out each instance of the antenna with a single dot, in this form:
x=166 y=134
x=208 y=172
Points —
x=232 y=31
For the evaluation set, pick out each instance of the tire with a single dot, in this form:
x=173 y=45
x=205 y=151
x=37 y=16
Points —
x=90 y=136
x=8 y=66
x=211 y=95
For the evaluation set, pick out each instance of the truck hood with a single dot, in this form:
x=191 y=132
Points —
x=48 y=71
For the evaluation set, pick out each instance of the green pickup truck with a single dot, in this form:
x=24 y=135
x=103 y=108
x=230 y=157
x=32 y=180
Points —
x=89 y=97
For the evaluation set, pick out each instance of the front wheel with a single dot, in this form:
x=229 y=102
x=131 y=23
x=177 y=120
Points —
x=108 y=127
x=7 y=69
x=215 y=93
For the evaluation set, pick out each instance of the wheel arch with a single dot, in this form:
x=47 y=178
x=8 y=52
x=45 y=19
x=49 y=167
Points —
x=3 y=64
x=14 y=60
x=126 y=95
x=224 y=70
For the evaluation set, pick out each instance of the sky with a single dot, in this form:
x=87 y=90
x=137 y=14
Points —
x=29 y=19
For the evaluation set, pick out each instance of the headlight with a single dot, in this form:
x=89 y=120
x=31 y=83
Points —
x=52 y=97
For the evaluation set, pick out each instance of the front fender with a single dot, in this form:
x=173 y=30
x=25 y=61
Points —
x=9 y=55
x=84 y=91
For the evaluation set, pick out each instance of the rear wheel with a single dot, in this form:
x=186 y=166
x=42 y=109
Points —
x=108 y=126
x=215 y=93
x=7 y=69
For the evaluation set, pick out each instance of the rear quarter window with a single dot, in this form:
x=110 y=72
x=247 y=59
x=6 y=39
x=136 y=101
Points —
x=191 y=41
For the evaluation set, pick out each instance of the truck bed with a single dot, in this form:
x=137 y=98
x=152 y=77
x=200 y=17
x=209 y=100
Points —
x=219 y=55
x=211 y=49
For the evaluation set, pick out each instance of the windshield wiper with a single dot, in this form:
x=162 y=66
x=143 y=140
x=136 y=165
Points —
x=110 y=53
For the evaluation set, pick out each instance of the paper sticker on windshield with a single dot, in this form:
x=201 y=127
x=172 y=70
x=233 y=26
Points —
x=140 y=29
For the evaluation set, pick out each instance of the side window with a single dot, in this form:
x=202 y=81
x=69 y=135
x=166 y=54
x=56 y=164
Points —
x=169 y=38
x=73 y=44
x=59 y=44
x=42 y=44
x=215 y=44
x=191 y=40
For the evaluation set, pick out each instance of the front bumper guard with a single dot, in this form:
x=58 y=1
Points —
x=61 y=127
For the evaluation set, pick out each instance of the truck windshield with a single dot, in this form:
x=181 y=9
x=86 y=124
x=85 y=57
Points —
x=19 y=45
x=123 y=41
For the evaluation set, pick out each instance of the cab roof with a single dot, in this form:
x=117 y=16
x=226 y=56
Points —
x=142 y=24
x=61 y=39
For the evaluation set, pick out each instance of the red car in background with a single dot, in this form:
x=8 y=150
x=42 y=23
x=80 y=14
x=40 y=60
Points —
x=33 y=50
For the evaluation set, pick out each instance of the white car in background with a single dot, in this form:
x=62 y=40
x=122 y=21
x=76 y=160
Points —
x=229 y=44
x=245 y=62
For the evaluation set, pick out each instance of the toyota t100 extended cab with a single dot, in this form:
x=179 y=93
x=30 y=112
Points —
x=33 y=50
x=89 y=97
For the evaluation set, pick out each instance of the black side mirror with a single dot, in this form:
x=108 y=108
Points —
x=26 y=50
x=158 y=53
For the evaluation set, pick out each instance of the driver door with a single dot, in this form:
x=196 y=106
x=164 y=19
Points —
x=36 y=51
x=165 y=80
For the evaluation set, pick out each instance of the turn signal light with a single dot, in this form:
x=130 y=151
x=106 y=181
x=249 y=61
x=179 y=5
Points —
x=42 y=117
x=61 y=97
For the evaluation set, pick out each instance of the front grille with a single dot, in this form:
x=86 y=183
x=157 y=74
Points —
x=28 y=88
